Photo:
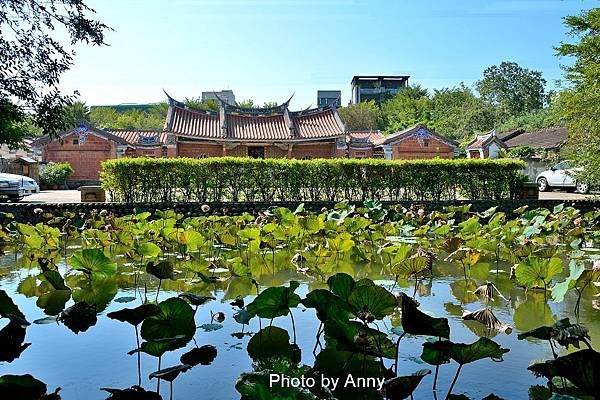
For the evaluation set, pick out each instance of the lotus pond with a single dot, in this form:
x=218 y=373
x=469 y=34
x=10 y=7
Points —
x=382 y=303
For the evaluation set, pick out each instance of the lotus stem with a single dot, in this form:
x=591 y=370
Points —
x=398 y=352
x=171 y=391
x=158 y=291
x=454 y=381
x=139 y=356
x=293 y=325
x=317 y=341
x=158 y=383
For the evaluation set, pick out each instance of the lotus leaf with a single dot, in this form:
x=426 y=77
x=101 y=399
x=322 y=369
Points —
x=272 y=342
x=55 y=279
x=54 y=302
x=372 y=299
x=356 y=337
x=93 y=262
x=483 y=348
x=195 y=299
x=410 y=267
x=401 y=387
x=12 y=337
x=436 y=353
x=171 y=373
x=580 y=368
x=416 y=322
x=203 y=355
x=341 y=284
x=162 y=270
x=79 y=317
x=328 y=305
x=176 y=318
x=275 y=301
x=135 y=316
x=133 y=393
x=256 y=386
x=148 y=249
x=537 y=272
x=21 y=387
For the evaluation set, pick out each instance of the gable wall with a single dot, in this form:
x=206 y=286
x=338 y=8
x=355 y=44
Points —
x=410 y=149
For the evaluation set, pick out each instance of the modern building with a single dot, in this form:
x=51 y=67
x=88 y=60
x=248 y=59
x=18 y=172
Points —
x=376 y=87
x=225 y=95
x=329 y=98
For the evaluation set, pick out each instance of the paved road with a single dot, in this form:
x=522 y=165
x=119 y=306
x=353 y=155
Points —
x=54 y=196
x=73 y=196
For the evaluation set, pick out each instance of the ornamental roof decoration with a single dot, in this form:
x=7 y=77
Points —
x=419 y=132
x=272 y=124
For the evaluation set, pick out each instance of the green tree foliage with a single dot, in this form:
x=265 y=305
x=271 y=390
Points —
x=37 y=42
x=248 y=103
x=76 y=113
x=457 y=112
x=361 y=117
x=582 y=99
x=408 y=107
x=546 y=117
x=109 y=118
x=512 y=89
x=199 y=104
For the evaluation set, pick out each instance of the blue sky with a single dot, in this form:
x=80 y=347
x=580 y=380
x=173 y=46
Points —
x=268 y=49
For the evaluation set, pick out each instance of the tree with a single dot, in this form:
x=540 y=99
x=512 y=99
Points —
x=32 y=60
x=408 y=107
x=581 y=102
x=198 y=103
x=248 y=103
x=513 y=89
x=76 y=113
x=457 y=112
x=363 y=116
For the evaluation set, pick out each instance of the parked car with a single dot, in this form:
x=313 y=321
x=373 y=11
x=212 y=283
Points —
x=15 y=187
x=562 y=175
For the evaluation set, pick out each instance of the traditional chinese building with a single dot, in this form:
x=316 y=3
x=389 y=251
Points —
x=233 y=131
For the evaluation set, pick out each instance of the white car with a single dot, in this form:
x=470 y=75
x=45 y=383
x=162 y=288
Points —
x=562 y=175
x=15 y=187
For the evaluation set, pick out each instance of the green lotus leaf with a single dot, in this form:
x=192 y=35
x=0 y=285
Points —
x=436 y=353
x=373 y=299
x=99 y=292
x=93 y=262
x=410 y=267
x=176 y=318
x=328 y=363
x=203 y=355
x=135 y=316
x=272 y=342
x=563 y=332
x=355 y=336
x=275 y=301
x=55 y=279
x=162 y=270
x=210 y=327
x=328 y=305
x=580 y=368
x=537 y=272
x=157 y=348
x=169 y=374
x=416 y=322
x=559 y=290
x=54 y=302
x=256 y=386
x=341 y=284
x=132 y=393
x=401 y=387
x=483 y=348
x=21 y=387
x=242 y=317
x=148 y=249
x=196 y=300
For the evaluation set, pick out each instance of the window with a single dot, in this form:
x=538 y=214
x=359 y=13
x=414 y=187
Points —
x=202 y=156
x=360 y=154
x=307 y=158
x=75 y=142
x=256 y=152
x=426 y=143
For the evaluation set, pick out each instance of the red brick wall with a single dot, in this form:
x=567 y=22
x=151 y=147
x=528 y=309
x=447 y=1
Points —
x=195 y=150
x=313 y=150
x=275 y=152
x=85 y=159
x=411 y=149
x=360 y=153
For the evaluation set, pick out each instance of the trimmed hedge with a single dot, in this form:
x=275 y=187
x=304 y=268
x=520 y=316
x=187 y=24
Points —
x=246 y=179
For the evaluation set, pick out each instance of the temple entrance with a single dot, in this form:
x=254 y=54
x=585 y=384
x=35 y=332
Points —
x=256 y=151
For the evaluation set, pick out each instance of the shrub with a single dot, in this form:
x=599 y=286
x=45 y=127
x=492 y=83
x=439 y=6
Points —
x=55 y=173
x=245 y=179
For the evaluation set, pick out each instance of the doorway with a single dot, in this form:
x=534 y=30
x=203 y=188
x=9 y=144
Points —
x=256 y=151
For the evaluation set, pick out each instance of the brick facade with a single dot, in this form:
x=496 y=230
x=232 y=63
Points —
x=84 y=158
x=316 y=150
x=411 y=149
x=196 y=150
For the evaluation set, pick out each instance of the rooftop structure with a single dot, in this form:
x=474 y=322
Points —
x=329 y=98
x=376 y=87
x=225 y=95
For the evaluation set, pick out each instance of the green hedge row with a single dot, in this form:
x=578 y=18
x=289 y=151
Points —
x=245 y=179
